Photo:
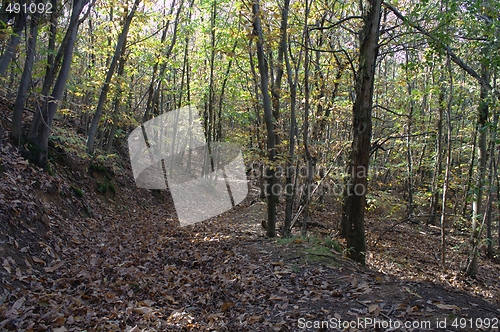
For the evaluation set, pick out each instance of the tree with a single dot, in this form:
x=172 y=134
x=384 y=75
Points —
x=477 y=203
x=354 y=206
x=50 y=108
x=22 y=91
x=268 y=117
x=19 y=23
x=120 y=48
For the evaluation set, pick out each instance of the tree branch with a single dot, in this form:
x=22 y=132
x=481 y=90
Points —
x=447 y=48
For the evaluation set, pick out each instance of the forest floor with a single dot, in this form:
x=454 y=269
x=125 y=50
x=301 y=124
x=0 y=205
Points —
x=83 y=249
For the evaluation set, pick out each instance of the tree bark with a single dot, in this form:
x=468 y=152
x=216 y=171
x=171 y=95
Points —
x=309 y=158
x=18 y=28
x=291 y=147
x=53 y=63
x=354 y=205
x=439 y=163
x=448 y=168
x=477 y=208
x=42 y=138
x=22 y=91
x=268 y=116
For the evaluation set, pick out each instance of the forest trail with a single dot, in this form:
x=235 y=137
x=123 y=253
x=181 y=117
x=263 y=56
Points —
x=83 y=249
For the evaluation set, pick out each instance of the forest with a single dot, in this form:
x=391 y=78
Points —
x=367 y=133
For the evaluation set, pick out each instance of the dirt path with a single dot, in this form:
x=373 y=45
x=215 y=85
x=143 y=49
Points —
x=118 y=262
x=138 y=270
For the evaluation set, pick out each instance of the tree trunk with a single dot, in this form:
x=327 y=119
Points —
x=448 y=168
x=42 y=138
x=105 y=88
x=50 y=71
x=309 y=159
x=354 y=205
x=22 y=91
x=14 y=40
x=152 y=105
x=492 y=169
x=470 y=172
x=291 y=147
x=483 y=109
x=439 y=163
x=409 y=152
x=116 y=103
x=268 y=116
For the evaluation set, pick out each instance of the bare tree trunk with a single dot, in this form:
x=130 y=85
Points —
x=22 y=91
x=409 y=155
x=42 y=138
x=153 y=103
x=448 y=167
x=291 y=147
x=492 y=169
x=354 y=205
x=223 y=90
x=53 y=63
x=13 y=41
x=470 y=172
x=270 y=172
x=483 y=110
x=309 y=159
x=439 y=167
x=116 y=102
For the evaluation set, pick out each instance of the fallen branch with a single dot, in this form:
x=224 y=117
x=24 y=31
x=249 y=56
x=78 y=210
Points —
x=389 y=229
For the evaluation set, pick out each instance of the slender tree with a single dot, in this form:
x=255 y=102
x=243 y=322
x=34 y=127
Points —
x=22 y=91
x=50 y=109
x=19 y=24
x=272 y=196
x=354 y=205
x=122 y=39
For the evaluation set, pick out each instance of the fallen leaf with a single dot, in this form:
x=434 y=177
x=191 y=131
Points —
x=50 y=269
x=171 y=299
x=227 y=305
x=253 y=319
x=374 y=309
x=447 y=306
x=6 y=265
x=38 y=260
x=18 y=304
x=143 y=310
x=59 y=321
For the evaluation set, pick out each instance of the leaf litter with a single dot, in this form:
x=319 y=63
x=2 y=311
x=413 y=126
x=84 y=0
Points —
x=122 y=263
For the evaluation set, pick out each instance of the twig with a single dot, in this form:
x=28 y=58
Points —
x=388 y=229
x=319 y=184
